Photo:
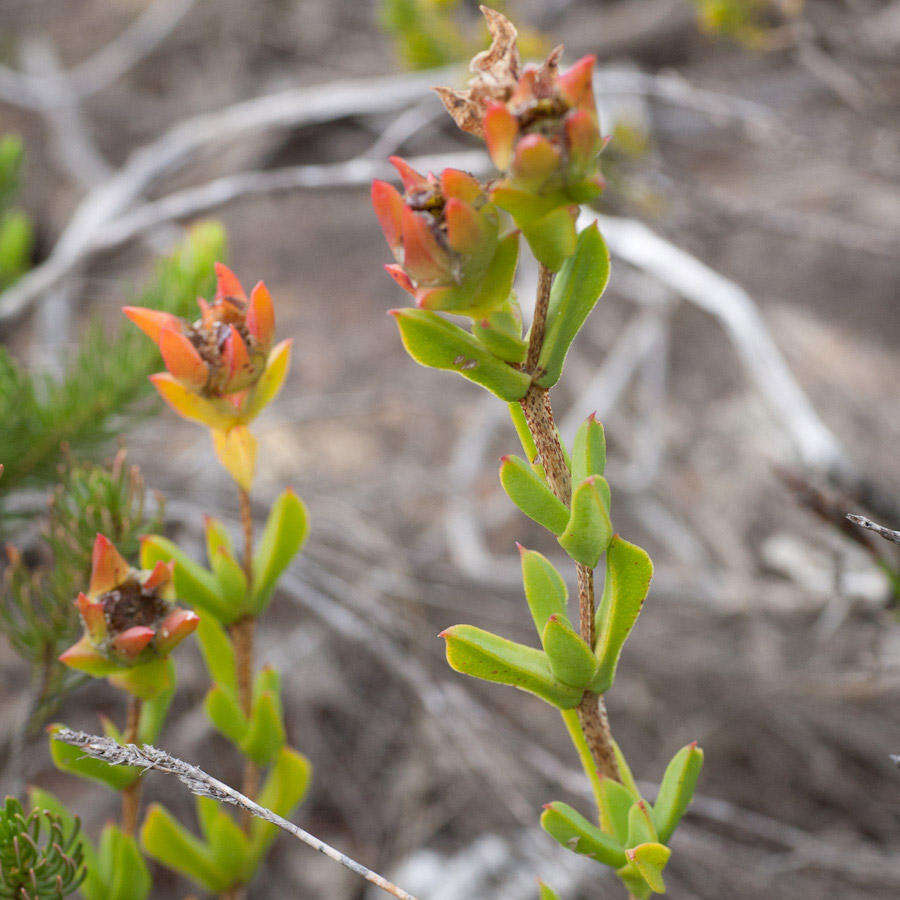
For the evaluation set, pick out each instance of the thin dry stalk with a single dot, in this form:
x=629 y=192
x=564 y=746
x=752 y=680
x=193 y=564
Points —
x=131 y=796
x=539 y=416
x=204 y=785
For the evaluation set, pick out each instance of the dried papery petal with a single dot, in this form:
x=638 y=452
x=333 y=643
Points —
x=108 y=569
x=496 y=72
x=261 y=316
x=151 y=321
x=227 y=284
x=182 y=358
x=388 y=205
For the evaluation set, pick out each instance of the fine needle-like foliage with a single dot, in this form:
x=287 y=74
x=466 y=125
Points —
x=41 y=857
x=37 y=613
x=103 y=380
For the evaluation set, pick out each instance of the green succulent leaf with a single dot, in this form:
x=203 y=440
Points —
x=615 y=805
x=153 y=715
x=547 y=892
x=226 y=843
x=496 y=284
x=501 y=334
x=479 y=653
x=641 y=829
x=217 y=651
x=521 y=425
x=625 y=771
x=71 y=759
x=574 y=294
x=284 y=534
x=552 y=238
x=224 y=711
x=231 y=579
x=676 y=789
x=588 y=451
x=121 y=867
x=284 y=788
x=217 y=537
x=589 y=530
x=266 y=735
x=532 y=495
x=194 y=585
x=628 y=575
x=571 y=829
x=545 y=589
x=148 y=680
x=571 y=659
x=167 y=841
x=649 y=860
x=434 y=342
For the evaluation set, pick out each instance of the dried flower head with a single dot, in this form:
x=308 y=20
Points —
x=128 y=615
x=541 y=129
x=445 y=236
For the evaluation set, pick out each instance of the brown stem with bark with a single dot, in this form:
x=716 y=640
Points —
x=539 y=416
x=242 y=634
x=131 y=796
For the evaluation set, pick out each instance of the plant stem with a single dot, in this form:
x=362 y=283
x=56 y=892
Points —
x=131 y=796
x=242 y=634
x=539 y=416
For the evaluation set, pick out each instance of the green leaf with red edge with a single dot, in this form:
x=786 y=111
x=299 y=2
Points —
x=532 y=495
x=628 y=574
x=571 y=829
x=488 y=656
x=574 y=294
x=547 y=892
x=434 y=342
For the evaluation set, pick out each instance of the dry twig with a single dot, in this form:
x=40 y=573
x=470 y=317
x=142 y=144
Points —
x=204 y=785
